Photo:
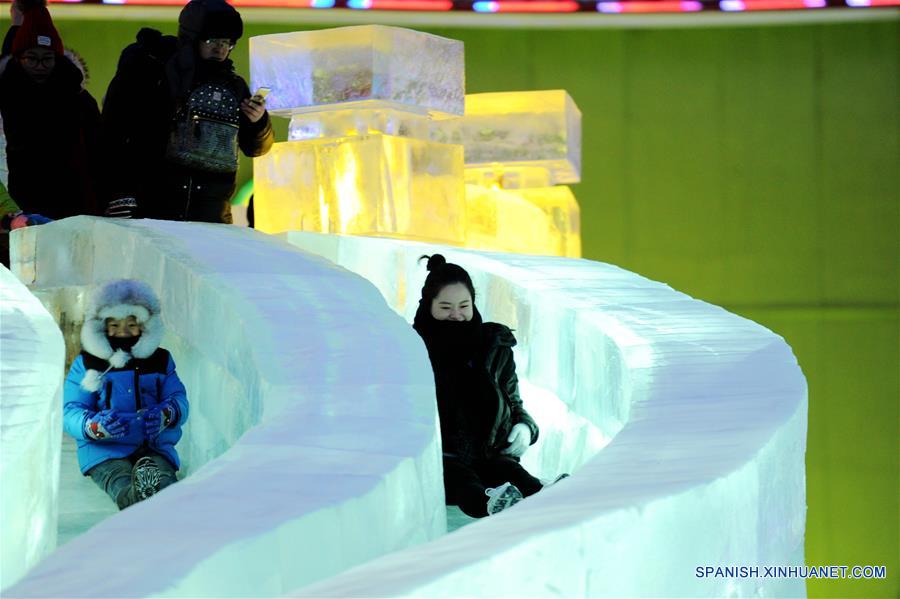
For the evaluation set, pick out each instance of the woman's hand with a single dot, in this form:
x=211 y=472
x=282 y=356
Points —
x=519 y=440
x=254 y=108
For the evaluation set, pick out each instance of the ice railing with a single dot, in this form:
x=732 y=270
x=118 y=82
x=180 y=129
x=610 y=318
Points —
x=312 y=443
x=707 y=414
x=31 y=362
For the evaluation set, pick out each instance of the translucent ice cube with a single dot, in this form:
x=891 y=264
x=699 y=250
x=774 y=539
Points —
x=368 y=66
x=367 y=185
x=541 y=221
x=539 y=128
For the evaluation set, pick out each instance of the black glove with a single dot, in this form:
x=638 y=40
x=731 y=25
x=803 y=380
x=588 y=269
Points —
x=121 y=208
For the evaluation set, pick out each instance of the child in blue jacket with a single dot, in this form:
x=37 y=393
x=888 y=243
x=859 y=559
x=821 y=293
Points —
x=123 y=401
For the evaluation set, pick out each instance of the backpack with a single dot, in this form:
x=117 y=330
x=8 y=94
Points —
x=204 y=135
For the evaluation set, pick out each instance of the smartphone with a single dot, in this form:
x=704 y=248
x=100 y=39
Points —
x=262 y=92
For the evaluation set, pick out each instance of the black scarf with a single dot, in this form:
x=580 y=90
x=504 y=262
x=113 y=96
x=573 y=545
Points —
x=449 y=342
x=455 y=348
x=125 y=343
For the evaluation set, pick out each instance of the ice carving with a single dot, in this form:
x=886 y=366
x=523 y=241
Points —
x=367 y=66
x=707 y=416
x=526 y=128
x=347 y=123
x=31 y=375
x=545 y=220
x=365 y=185
x=309 y=449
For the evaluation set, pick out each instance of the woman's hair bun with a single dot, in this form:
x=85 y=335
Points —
x=435 y=261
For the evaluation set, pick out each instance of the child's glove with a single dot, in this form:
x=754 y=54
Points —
x=38 y=219
x=158 y=418
x=519 y=440
x=11 y=222
x=105 y=425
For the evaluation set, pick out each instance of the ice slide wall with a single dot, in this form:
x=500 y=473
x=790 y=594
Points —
x=31 y=363
x=312 y=442
x=707 y=414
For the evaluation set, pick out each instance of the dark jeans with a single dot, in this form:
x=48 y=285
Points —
x=465 y=484
x=114 y=476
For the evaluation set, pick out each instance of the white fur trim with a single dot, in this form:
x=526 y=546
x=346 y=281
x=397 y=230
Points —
x=93 y=339
x=120 y=311
x=119 y=299
x=119 y=358
x=150 y=339
x=91 y=381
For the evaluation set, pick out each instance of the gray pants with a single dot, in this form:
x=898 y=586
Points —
x=114 y=476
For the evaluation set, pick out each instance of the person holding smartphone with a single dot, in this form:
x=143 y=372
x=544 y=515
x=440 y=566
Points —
x=208 y=118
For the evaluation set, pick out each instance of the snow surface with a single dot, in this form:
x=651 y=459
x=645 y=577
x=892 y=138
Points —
x=707 y=415
x=313 y=443
x=31 y=375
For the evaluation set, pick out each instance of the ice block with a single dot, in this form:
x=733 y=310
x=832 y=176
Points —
x=31 y=375
x=367 y=66
x=537 y=128
x=541 y=221
x=344 y=123
x=378 y=185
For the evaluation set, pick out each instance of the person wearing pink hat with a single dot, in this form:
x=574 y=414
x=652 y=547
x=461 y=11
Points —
x=51 y=123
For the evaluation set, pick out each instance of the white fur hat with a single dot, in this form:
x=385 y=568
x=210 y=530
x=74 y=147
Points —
x=120 y=299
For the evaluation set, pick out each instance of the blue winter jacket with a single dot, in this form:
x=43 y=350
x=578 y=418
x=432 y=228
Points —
x=140 y=384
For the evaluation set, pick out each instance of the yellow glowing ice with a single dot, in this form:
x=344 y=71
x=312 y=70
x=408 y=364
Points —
x=373 y=148
x=541 y=221
x=378 y=185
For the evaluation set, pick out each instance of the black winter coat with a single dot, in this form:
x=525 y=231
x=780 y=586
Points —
x=139 y=112
x=487 y=391
x=500 y=366
x=203 y=196
x=52 y=134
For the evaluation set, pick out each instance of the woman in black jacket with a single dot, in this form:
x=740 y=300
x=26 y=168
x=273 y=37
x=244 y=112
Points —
x=484 y=428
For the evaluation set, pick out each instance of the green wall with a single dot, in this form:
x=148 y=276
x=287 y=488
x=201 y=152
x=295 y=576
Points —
x=755 y=168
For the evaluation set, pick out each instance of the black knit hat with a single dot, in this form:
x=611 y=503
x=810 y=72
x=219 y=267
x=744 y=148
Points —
x=209 y=19
x=440 y=274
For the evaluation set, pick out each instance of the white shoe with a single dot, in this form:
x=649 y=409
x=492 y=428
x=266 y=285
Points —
x=502 y=497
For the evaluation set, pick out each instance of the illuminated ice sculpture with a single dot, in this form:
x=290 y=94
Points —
x=521 y=148
x=359 y=159
x=374 y=149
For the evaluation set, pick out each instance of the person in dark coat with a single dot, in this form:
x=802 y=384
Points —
x=484 y=427
x=50 y=121
x=137 y=113
x=209 y=116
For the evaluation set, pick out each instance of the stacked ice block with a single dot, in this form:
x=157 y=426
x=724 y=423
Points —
x=359 y=159
x=520 y=150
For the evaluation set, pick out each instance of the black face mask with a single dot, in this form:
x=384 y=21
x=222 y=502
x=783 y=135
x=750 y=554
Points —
x=125 y=343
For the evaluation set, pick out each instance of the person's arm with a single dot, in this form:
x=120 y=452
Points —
x=78 y=403
x=255 y=136
x=510 y=386
x=7 y=204
x=91 y=132
x=173 y=392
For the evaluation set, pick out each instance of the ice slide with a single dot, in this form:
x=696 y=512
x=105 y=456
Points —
x=31 y=363
x=704 y=413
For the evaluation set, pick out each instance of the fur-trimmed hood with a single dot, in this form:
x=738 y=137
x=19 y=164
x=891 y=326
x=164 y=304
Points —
x=120 y=299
